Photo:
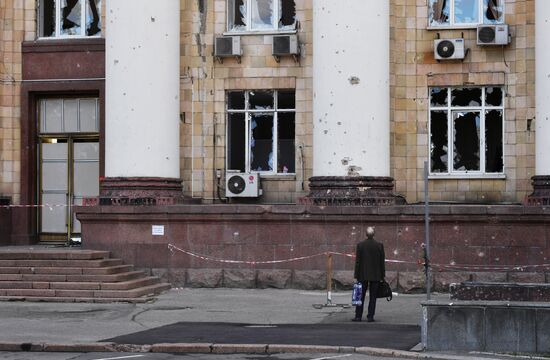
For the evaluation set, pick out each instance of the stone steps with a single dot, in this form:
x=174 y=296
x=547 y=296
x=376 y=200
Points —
x=72 y=276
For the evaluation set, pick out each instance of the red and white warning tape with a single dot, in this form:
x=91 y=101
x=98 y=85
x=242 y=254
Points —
x=437 y=267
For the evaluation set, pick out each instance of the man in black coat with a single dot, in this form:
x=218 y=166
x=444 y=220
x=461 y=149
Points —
x=370 y=270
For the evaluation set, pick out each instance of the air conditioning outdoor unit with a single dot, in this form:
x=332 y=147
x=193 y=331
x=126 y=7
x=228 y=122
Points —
x=449 y=49
x=242 y=184
x=493 y=35
x=227 y=46
x=285 y=45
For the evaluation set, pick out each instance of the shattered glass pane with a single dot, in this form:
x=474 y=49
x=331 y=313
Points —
x=261 y=142
x=466 y=97
x=235 y=100
x=438 y=97
x=71 y=11
x=287 y=11
x=493 y=96
x=466 y=12
x=493 y=11
x=286 y=132
x=237 y=15
x=47 y=18
x=286 y=100
x=262 y=14
x=466 y=140
x=494 y=162
x=236 y=142
x=439 y=142
x=260 y=100
x=439 y=12
x=93 y=17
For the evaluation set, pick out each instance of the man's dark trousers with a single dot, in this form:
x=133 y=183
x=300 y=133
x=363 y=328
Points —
x=373 y=287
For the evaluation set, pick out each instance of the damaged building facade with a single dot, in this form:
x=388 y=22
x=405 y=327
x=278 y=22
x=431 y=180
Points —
x=267 y=130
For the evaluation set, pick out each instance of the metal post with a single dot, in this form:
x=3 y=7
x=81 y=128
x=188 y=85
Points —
x=427 y=231
x=329 y=279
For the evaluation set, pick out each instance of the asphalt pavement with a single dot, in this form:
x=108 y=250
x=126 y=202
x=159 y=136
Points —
x=215 y=320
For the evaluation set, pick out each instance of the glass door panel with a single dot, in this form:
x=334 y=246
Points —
x=54 y=187
x=85 y=175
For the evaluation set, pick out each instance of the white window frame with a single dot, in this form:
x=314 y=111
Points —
x=248 y=133
x=58 y=10
x=453 y=25
x=249 y=30
x=451 y=173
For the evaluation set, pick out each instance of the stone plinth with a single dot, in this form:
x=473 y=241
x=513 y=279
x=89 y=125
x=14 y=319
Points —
x=352 y=190
x=140 y=191
x=541 y=191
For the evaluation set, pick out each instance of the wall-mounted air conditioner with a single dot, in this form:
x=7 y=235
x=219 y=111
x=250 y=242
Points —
x=449 y=49
x=286 y=45
x=493 y=35
x=227 y=46
x=242 y=184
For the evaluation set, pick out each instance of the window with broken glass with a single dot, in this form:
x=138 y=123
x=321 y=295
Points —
x=261 y=131
x=466 y=130
x=465 y=13
x=69 y=18
x=261 y=15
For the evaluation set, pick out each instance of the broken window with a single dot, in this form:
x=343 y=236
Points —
x=261 y=15
x=468 y=130
x=69 y=18
x=465 y=12
x=261 y=131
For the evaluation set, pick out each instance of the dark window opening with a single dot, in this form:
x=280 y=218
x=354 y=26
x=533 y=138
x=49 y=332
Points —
x=93 y=25
x=261 y=142
x=236 y=142
x=261 y=100
x=261 y=131
x=493 y=141
x=466 y=97
x=439 y=142
x=238 y=14
x=493 y=96
x=286 y=131
x=466 y=141
x=438 y=97
x=47 y=13
x=288 y=14
x=494 y=11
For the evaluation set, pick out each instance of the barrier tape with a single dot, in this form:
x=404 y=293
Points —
x=50 y=206
x=267 y=262
x=502 y=268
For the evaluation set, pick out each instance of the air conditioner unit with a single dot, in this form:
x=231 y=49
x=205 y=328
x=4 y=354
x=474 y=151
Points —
x=242 y=184
x=227 y=46
x=493 y=35
x=449 y=49
x=285 y=45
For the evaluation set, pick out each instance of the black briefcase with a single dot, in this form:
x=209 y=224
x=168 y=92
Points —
x=384 y=290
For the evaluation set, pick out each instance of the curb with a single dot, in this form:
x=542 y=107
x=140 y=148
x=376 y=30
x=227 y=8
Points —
x=207 y=348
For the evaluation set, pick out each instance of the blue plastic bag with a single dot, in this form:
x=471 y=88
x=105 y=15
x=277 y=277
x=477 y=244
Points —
x=356 y=294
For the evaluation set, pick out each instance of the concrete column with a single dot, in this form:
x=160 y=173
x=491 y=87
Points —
x=351 y=106
x=142 y=93
x=541 y=181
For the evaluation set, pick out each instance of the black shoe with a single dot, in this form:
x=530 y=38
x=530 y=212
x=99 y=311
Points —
x=370 y=320
x=356 y=319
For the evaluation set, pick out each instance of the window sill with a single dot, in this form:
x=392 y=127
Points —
x=282 y=177
x=467 y=176
x=459 y=27
x=262 y=32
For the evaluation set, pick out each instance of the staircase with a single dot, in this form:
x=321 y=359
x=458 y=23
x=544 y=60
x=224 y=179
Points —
x=69 y=275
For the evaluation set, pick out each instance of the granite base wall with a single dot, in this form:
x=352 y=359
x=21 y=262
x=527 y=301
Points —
x=464 y=239
x=486 y=326
x=5 y=226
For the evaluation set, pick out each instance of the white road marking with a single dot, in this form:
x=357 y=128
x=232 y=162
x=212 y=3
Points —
x=332 y=357
x=122 y=357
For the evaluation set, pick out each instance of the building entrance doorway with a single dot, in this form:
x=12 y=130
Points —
x=68 y=164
